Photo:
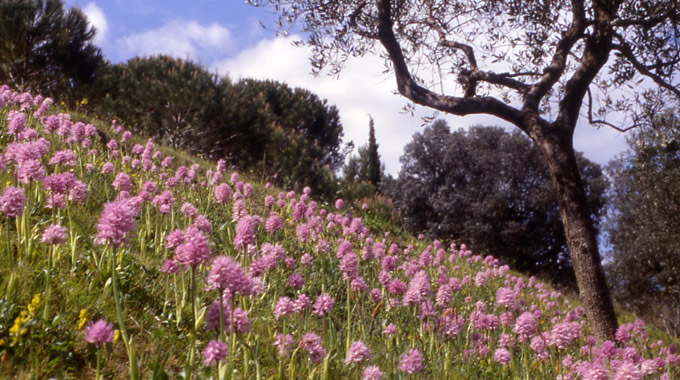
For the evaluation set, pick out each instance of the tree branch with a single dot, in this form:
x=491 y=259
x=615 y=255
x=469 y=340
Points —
x=595 y=55
x=671 y=13
x=355 y=26
x=627 y=52
x=500 y=79
x=553 y=72
x=468 y=82
x=521 y=74
x=603 y=122
x=408 y=87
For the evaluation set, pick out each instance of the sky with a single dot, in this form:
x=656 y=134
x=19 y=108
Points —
x=226 y=37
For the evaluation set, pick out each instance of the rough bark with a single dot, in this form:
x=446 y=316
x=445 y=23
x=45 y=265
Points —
x=580 y=234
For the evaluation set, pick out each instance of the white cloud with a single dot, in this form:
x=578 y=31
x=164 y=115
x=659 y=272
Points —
x=363 y=89
x=179 y=38
x=95 y=15
x=360 y=90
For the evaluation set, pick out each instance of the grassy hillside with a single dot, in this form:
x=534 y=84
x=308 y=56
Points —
x=121 y=258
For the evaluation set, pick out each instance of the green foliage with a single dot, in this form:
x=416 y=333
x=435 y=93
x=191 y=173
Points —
x=365 y=165
x=299 y=136
x=161 y=96
x=266 y=127
x=165 y=313
x=373 y=169
x=363 y=172
x=643 y=223
x=380 y=216
x=489 y=188
x=45 y=48
x=300 y=112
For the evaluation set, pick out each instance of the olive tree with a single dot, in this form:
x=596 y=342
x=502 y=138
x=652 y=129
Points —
x=539 y=65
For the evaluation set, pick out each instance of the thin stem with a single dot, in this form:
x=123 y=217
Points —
x=167 y=294
x=178 y=302
x=72 y=236
x=283 y=350
x=221 y=316
x=99 y=355
x=232 y=334
x=123 y=331
x=46 y=310
x=27 y=225
x=9 y=245
x=349 y=314
x=192 y=348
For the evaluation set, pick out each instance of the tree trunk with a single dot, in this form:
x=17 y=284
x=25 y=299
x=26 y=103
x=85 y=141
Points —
x=558 y=152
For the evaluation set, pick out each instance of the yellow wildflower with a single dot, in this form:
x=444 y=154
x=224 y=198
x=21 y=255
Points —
x=116 y=335
x=35 y=303
x=17 y=330
x=82 y=318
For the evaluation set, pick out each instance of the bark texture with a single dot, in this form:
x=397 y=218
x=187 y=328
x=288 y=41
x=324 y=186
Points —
x=579 y=232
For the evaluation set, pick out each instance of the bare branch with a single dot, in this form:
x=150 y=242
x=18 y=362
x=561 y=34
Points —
x=627 y=52
x=499 y=79
x=469 y=78
x=466 y=78
x=408 y=87
x=521 y=74
x=465 y=48
x=603 y=122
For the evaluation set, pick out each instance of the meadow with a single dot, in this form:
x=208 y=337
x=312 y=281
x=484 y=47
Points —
x=121 y=258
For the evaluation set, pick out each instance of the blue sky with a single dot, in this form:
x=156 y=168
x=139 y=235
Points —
x=207 y=30
x=226 y=37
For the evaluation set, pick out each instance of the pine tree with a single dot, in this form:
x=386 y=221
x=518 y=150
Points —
x=47 y=48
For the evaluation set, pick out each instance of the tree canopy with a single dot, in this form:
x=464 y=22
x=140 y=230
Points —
x=364 y=167
x=46 y=48
x=490 y=189
x=302 y=112
x=643 y=223
x=539 y=65
x=289 y=134
x=363 y=173
x=161 y=96
x=373 y=169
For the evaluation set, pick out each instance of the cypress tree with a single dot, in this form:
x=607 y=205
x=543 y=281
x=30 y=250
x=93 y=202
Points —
x=373 y=162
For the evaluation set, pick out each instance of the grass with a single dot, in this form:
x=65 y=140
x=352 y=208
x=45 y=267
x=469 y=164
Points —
x=423 y=288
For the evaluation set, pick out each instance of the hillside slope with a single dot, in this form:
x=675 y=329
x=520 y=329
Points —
x=122 y=258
